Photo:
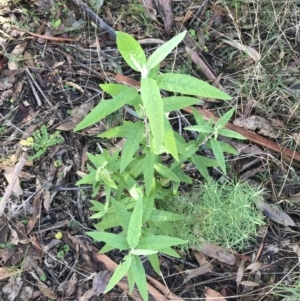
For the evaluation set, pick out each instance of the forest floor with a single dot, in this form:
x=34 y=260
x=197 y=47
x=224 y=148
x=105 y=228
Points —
x=53 y=58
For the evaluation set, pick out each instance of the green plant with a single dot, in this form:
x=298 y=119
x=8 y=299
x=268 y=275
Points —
x=55 y=23
x=136 y=180
x=63 y=251
x=224 y=214
x=41 y=141
x=43 y=278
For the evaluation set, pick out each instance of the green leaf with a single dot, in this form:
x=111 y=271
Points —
x=131 y=281
x=198 y=117
x=122 y=214
x=157 y=242
x=119 y=131
x=181 y=175
x=108 y=221
x=169 y=139
x=148 y=170
x=224 y=119
x=204 y=128
x=139 y=276
x=153 y=105
x=115 y=240
x=113 y=89
x=175 y=103
x=130 y=48
x=161 y=53
x=135 y=224
x=97 y=160
x=97 y=206
x=201 y=167
x=170 y=252
x=166 y=172
x=231 y=134
x=106 y=178
x=218 y=153
x=119 y=273
x=141 y=252
x=106 y=107
x=228 y=148
x=187 y=84
x=133 y=139
x=148 y=205
x=154 y=261
x=165 y=216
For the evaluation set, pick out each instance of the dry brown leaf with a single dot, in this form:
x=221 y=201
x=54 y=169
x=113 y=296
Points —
x=207 y=267
x=26 y=293
x=8 y=272
x=249 y=283
x=217 y=252
x=71 y=285
x=200 y=257
x=240 y=272
x=253 y=123
x=12 y=288
x=36 y=210
x=255 y=266
x=9 y=173
x=100 y=281
x=165 y=10
x=46 y=291
x=77 y=114
x=6 y=83
x=212 y=295
x=296 y=137
x=274 y=213
x=14 y=237
x=253 y=54
x=13 y=63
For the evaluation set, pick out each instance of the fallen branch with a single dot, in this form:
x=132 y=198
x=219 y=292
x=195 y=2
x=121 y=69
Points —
x=49 y=38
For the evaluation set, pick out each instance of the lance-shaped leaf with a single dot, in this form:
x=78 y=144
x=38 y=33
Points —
x=106 y=107
x=153 y=105
x=139 y=276
x=133 y=139
x=174 y=103
x=161 y=53
x=187 y=84
x=148 y=170
x=114 y=240
x=130 y=48
x=169 y=139
x=157 y=242
x=218 y=152
x=135 y=224
x=119 y=273
x=122 y=214
x=224 y=119
x=166 y=172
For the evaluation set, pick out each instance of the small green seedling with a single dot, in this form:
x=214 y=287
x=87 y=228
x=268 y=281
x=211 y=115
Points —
x=40 y=141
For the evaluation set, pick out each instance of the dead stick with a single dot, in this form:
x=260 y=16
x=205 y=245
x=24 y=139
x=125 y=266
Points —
x=45 y=37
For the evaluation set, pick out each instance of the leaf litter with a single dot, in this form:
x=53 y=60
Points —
x=64 y=89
